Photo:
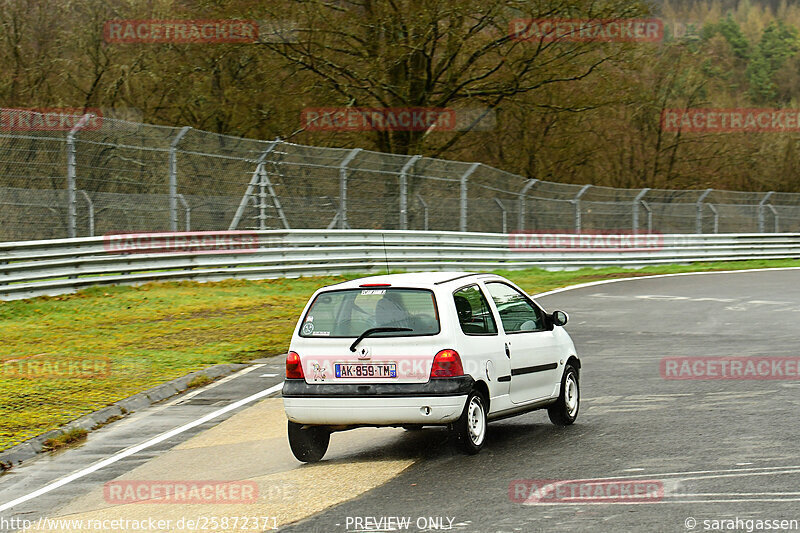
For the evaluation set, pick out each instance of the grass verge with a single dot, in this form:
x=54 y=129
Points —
x=65 y=356
x=200 y=380
x=72 y=436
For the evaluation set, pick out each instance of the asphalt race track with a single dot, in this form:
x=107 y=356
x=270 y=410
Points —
x=721 y=448
x=716 y=449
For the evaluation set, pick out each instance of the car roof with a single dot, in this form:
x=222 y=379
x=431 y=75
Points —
x=412 y=279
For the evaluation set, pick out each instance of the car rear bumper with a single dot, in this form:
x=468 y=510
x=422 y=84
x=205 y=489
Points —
x=439 y=401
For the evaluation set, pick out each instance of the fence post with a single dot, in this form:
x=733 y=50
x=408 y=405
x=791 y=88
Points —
x=72 y=213
x=577 y=203
x=716 y=217
x=276 y=202
x=343 y=188
x=262 y=200
x=251 y=186
x=90 y=204
x=173 y=178
x=503 y=212
x=462 y=225
x=424 y=211
x=636 y=202
x=188 y=212
x=775 y=217
x=522 y=205
x=404 y=191
x=761 y=222
x=649 y=216
x=335 y=220
x=699 y=224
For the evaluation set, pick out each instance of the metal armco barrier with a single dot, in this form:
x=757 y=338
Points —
x=48 y=267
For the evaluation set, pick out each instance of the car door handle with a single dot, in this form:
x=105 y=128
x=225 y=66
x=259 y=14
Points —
x=508 y=352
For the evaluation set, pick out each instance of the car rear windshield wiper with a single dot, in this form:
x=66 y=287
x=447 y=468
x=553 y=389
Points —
x=370 y=331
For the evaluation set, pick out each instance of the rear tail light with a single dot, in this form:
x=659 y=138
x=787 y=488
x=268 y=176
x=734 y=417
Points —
x=447 y=364
x=294 y=370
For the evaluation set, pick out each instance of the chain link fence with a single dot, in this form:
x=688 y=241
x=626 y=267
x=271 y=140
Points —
x=69 y=176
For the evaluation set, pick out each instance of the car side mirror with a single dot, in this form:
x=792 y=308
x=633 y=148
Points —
x=559 y=318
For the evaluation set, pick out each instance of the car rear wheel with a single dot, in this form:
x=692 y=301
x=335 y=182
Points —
x=565 y=410
x=470 y=428
x=309 y=443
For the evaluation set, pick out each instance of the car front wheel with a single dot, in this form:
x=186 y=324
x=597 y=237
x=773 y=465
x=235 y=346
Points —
x=565 y=410
x=308 y=444
x=470 y=428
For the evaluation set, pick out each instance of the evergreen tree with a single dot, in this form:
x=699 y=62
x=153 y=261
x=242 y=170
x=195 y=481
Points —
x=778 y=43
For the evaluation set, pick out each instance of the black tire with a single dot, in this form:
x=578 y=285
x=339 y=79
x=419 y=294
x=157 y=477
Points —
x=308 y=444
x=565 y=410
x=470 y=429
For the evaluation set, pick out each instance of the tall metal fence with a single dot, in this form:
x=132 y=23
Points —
x=71 y=176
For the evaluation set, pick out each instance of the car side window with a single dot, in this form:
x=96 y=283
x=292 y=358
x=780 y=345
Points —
x=474 y=314
x=517 y=312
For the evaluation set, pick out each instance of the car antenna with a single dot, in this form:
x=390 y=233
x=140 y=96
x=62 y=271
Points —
x=385 y=256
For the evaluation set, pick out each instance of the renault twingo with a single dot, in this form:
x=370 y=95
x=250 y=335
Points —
x=436 y=348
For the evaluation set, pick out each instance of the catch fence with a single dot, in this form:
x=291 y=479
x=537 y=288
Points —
x=87 y=176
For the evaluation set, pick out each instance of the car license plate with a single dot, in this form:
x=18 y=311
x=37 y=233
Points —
x=361 y=370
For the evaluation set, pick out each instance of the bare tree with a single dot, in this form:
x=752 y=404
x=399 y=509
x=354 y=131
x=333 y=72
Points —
x=436 y=53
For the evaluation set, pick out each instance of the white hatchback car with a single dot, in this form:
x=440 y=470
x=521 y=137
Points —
x=435 y=348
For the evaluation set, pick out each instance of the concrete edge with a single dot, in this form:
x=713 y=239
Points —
x=30 y=448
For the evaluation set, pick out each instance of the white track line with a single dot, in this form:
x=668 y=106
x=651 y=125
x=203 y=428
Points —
x=617 y=280
x=742 y=471
x=201 y=390
x=734 y=472
x=139 y=447
x=665 y=502
x=685 y=476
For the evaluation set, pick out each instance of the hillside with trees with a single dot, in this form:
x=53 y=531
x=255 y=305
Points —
x=567 y=111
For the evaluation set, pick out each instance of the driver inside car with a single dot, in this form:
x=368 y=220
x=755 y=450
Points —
x=390 y=312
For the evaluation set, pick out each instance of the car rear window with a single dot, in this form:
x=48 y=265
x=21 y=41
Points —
x=350 y=312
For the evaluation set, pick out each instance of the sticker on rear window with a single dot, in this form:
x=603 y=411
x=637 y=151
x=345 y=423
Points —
x=322 y=333
x=369 y=292
x=308 y=328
